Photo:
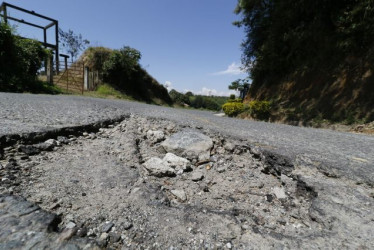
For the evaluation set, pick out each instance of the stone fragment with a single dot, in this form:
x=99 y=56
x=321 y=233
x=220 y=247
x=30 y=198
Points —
x=159 y=168
x=67 y=234
x=63 y=139
x=188 y=140
x=176 y=162
x=229 y=146
x=28 y=149
x=180 y=194
x=204 y=157
x=107 y=226
x=279 y=192
x=221 y=169
x=44 y=146
x=155 y=135
x=52 y=142
x=103 y=236
x=70 y=225
x=197 y=175
x=82 y=232
x=114 y=237
x=127 y=225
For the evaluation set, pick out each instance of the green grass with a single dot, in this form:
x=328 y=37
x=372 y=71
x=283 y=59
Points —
x=107 y=91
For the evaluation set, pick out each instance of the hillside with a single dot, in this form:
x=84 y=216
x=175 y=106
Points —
x=343 y=96
x=312 y=59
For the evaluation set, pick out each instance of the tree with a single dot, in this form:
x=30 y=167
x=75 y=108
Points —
x=73 y=43
x=286 y=36
x=241 y=85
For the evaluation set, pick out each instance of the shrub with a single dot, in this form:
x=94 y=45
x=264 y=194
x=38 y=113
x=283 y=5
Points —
x=20 y=59
x=260 y=109
x=233 y=108
x=94 y=57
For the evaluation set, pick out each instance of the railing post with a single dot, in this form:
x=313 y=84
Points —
x=83 y=78
x=49 y=69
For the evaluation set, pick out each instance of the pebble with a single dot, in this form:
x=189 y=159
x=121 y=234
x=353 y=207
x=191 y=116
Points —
x=180 y=194
x=107 y=226
x=197 y=176
x=103 y=236
x=228 y=245
x=70 y=225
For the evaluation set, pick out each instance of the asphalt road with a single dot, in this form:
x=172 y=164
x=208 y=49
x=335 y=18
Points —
x=342 y=154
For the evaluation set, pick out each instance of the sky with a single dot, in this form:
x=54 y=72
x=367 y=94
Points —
x=187 y=45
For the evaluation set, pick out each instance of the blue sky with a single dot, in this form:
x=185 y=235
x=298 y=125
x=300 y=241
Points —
x=186 y=44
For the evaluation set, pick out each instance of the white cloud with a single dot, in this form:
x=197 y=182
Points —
x=232 y=69
x=209 y=92
x=167 y=85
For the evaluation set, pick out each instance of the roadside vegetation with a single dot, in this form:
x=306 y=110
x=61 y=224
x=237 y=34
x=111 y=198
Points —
x=189 y=100
x=20 y=60
x=120 y=69
x=312 y=59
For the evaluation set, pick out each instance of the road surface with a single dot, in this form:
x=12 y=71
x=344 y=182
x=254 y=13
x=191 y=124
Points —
x=336 y=153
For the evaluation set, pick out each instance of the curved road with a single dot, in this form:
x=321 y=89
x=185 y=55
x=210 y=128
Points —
x=342 y=154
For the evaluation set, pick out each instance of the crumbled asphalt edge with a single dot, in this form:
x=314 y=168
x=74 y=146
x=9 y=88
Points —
x=36 y=137
x=275 y=164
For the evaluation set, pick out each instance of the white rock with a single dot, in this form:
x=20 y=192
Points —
x=279 y=192
x=188 y=140
x=70 y=225
x=204 y=156
x=103 y=236
x=155 y=135
x=52 y=142
x=197 y=175
x=229 y=146
x=157 y=167
x=176 y=162
x=180 y=194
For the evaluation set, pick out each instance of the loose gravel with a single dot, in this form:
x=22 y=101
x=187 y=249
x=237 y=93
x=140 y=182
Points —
x=240 y=196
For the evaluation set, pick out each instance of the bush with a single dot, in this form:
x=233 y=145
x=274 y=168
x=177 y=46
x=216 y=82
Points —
x=233 y=108
x=260 y=109
x=121 y=69
x=20 y=60
x=94 y=57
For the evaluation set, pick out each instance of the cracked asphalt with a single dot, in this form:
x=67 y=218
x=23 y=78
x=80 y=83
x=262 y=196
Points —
x=344 y=155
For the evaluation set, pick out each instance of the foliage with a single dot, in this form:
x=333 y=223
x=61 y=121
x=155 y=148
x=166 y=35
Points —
x=121 y=66
x=260 y=109
x=179 y=98
x=286 y=37
x=73 y=43
x=232 y=97
x=94 y=57
x=233 y=108
x=20 y=60
x=197 y=101
x=234 y=100
x=121 y=69
x=239 y=84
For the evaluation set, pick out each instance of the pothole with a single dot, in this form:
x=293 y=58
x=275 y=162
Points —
x=100 y=185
